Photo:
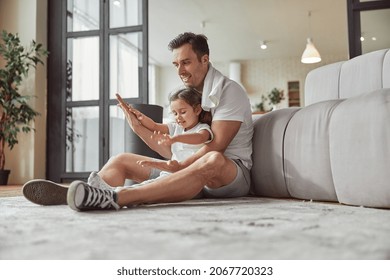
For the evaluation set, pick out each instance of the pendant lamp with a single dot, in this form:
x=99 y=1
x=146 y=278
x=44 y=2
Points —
x=310 y=54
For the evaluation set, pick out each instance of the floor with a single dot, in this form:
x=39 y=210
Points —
x=244 y=228
x=10 y=190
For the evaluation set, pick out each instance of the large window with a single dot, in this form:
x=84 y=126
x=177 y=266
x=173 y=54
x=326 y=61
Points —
x=97 y=48
x=368 y=26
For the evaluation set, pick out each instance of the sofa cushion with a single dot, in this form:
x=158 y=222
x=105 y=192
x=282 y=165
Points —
x=386 y=70
x=360 y=149
x=362 y=74
x=267 y=170
x=306 y=153
x=323 y=83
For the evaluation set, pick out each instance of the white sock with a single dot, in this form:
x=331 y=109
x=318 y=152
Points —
x=95 y=181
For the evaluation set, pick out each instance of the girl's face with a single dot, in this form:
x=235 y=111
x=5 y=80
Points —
x=185 y=115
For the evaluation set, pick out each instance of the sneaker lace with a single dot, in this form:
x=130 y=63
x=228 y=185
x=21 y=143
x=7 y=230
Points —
x=100 y=198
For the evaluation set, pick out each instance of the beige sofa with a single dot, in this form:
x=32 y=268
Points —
x=337 y=147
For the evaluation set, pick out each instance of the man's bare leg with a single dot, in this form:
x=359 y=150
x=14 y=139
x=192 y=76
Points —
x=213 y=170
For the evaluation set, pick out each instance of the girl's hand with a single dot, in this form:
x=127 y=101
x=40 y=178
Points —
x=162 y=139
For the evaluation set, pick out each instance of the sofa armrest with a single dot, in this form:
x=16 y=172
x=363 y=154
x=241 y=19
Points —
x=267 y=170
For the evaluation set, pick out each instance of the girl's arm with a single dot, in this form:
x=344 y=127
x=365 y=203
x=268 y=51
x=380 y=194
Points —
x=200 y=137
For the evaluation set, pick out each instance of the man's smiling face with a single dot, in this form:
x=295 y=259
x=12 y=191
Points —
x=190 y=70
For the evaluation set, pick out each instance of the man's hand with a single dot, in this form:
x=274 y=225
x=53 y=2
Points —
x=170 y=165
x=131 y=118
x=137 y=113
x=131 y=114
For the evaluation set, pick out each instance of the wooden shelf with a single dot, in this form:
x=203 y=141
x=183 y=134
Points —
x=294 y=99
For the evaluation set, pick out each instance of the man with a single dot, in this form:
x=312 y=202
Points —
x=219 y=169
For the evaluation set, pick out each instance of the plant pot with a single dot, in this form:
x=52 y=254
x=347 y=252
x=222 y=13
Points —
x=4 y=177
x=276 y=106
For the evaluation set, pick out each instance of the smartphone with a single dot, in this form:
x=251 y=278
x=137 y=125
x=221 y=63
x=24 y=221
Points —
x=121 y=101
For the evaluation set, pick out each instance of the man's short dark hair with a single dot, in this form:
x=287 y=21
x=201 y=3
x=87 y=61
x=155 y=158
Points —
x=197 y=41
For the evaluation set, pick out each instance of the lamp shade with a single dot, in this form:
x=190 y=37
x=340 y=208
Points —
x=310 y=54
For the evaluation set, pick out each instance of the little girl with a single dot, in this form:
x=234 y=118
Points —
x=191 y=129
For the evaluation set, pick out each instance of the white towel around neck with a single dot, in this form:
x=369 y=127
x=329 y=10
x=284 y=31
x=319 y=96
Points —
x=212 y=88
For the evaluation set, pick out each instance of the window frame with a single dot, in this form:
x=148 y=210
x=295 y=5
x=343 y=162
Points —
x=354 y=9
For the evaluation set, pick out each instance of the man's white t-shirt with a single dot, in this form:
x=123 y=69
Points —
x=234 y=105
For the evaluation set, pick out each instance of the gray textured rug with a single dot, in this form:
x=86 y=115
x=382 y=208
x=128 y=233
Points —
x=246 y=228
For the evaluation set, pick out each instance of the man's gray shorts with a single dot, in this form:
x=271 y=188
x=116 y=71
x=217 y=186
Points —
x=239 y=187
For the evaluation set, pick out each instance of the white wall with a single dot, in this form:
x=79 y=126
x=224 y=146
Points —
x=28 y=18
x=261 y=76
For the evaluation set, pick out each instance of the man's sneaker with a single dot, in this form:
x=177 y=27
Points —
x=83 y=197
x=44 y=192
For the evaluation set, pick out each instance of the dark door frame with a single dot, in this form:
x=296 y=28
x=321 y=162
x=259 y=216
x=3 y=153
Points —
x=56 y=97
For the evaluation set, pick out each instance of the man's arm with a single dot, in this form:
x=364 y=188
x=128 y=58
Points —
x=224 y=132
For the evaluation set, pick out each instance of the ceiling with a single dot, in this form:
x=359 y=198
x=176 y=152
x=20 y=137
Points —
x=235 y=28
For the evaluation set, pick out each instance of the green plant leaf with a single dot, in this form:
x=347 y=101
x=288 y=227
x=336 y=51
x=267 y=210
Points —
x=15 y=112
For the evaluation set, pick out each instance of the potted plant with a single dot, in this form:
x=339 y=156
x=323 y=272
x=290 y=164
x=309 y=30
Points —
x=15 y=112
x=260 y=107
x=275 y=97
